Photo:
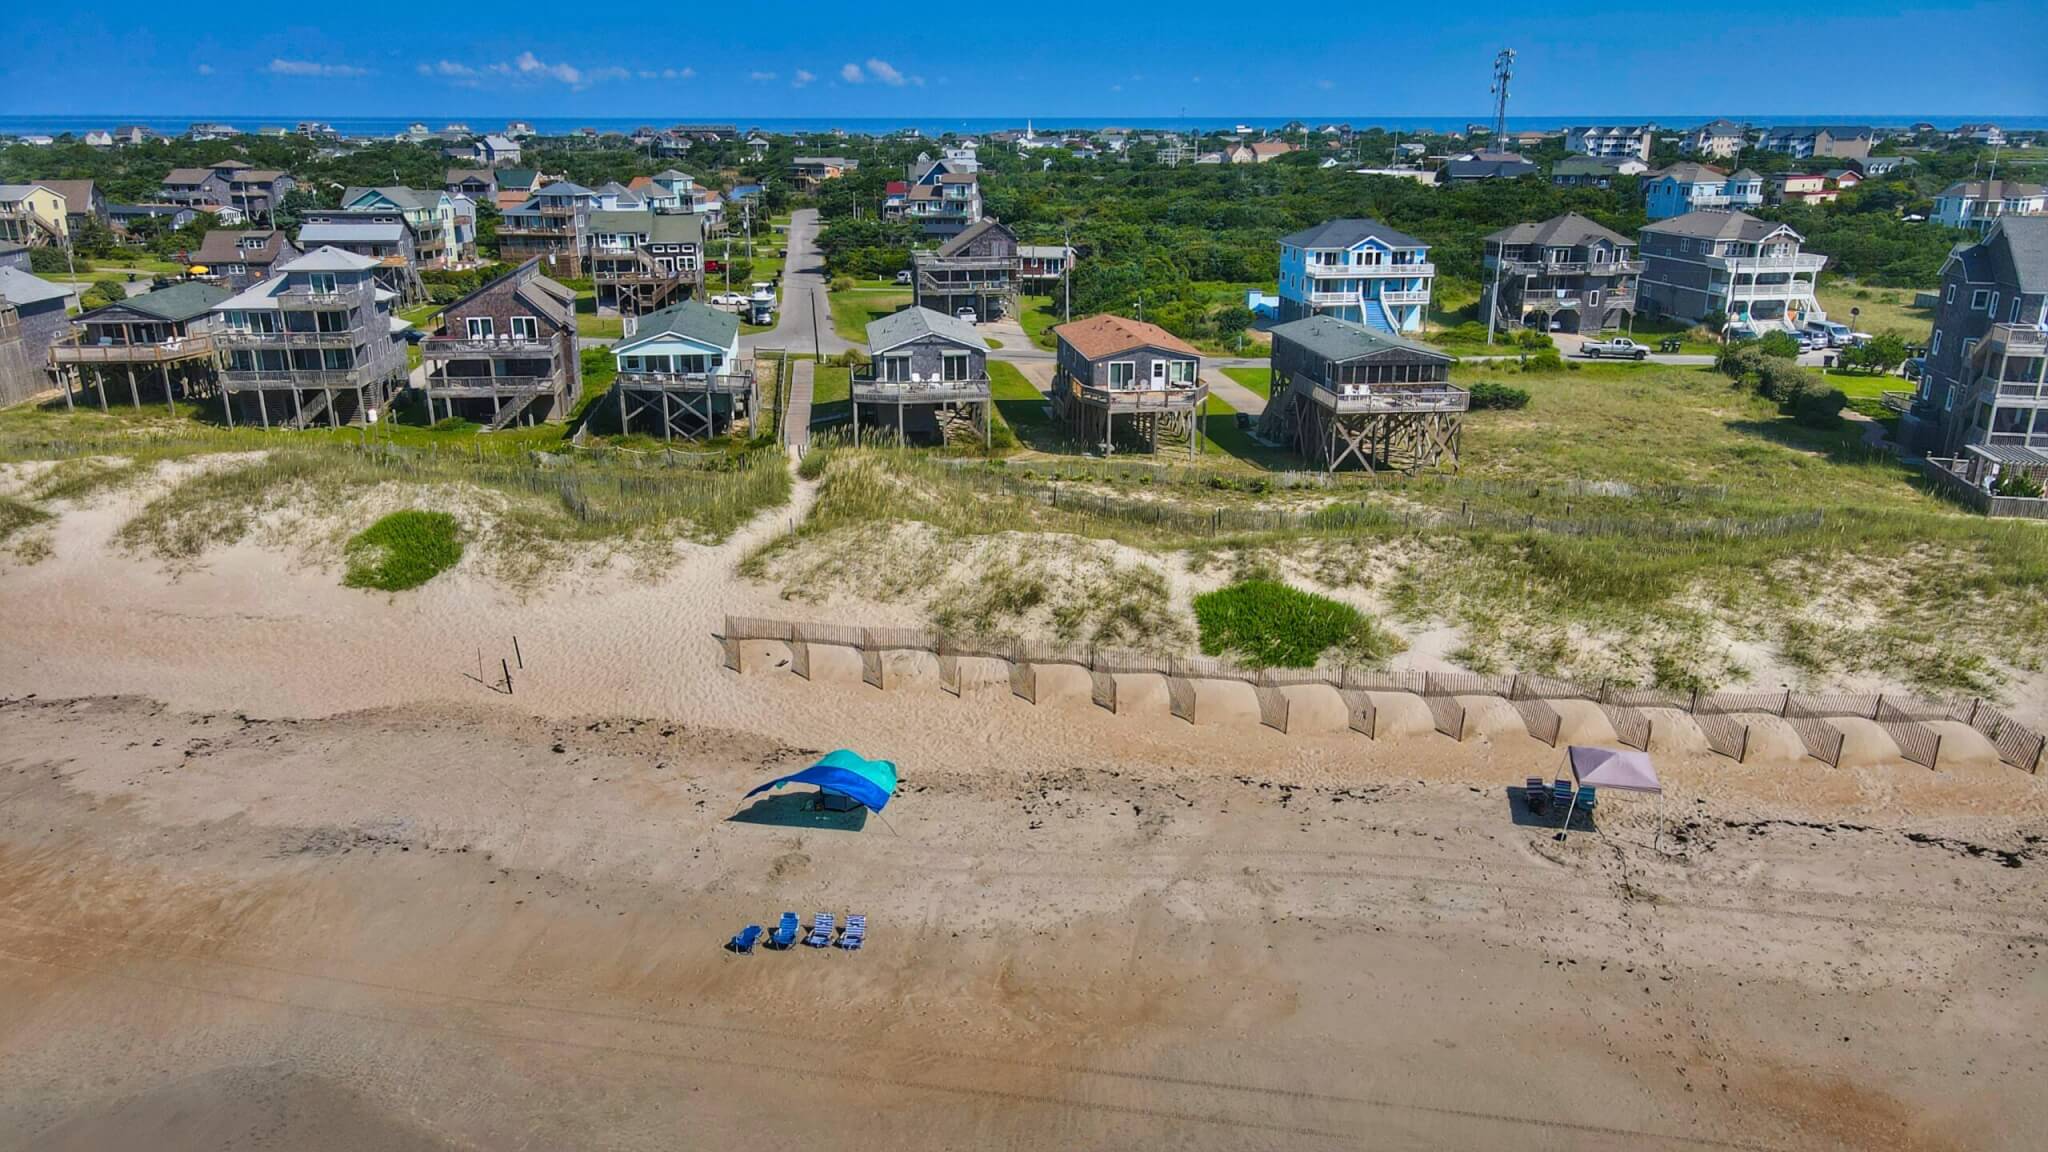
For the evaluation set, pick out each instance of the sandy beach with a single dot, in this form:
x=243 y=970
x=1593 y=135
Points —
x=276 y=872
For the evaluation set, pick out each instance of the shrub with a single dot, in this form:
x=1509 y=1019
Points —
x=1545 y=361
x=1491 y=394
x=1815 y=403
x=842 y=283
x=1780 y=344
x=48 y=260
x=1271 y=625
x=2018 y=483
x=403 y=550
x=1532 y=339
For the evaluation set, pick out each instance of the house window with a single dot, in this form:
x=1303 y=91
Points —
x=1935 y=348
x=1977 y=299
x=1950 y=296
x=526 y=327
x=957 y=366
x=1122 y=373
x=479 y=327
x=2014 y=318
x=322 y=282
x=1992 y=309
x=896 y=369
x=1182 y=371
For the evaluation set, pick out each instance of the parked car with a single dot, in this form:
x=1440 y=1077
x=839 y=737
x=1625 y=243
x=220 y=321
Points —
x=967 y=314
x=728 y=300
x=1619 y=348
x=1912 y=368
x=1836 y=335
x=903 y=277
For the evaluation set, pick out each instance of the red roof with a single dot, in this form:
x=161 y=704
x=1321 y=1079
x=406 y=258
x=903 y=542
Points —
x=897 y=187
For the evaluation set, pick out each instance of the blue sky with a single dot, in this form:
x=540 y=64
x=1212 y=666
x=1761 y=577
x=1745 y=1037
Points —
x=1052 y=58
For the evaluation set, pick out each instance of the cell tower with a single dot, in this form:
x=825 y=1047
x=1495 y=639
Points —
x=1503 y=71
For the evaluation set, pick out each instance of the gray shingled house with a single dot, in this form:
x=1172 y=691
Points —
x=927 y=375
x=1343 y=394
x=1983 y=396
x=163 y=339
x=505 y=353
x=1565 y=274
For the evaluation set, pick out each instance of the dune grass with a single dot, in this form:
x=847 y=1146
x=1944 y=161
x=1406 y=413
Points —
x=402 y=550
x=1268 y=624
x=1651 y=507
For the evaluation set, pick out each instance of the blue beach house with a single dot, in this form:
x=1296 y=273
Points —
x=1356 y=270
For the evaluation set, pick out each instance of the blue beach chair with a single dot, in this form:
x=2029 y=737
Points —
x=1561 y=794
x=785 y=932
x=747 y=938
x=856 y=933
x=1588 y=799
x=822 y=930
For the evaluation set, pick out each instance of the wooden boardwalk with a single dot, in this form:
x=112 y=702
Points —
x=796 y=414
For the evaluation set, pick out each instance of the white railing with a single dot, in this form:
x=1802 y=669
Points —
x=507 y=345
x=1362 y=271
x=1404 y=296
x=1799 y=263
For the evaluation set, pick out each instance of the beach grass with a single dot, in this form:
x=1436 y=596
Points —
x=402 y=550
x=1269 y=624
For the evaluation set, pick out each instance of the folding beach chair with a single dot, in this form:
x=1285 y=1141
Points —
x=1561 y=794
x=785 y=932
x=1535 y=794
x=1588 y=799
x=746 y=939
x=856 y=933
x=822 y=929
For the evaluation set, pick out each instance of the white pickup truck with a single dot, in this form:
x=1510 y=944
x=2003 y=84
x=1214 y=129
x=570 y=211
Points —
x=1621 y=347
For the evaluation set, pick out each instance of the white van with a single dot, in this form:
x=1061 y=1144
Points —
x=1837 y=335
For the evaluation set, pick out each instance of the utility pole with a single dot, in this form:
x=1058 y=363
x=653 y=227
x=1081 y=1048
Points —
x=1067 y=277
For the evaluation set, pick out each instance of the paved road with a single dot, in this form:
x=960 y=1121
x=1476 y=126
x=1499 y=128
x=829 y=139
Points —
x=805 y=322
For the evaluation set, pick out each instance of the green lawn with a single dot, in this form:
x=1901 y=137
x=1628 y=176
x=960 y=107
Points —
x=852 y=311
x=600 y=327
x=419 y=315
x=1223 y=439
x=1038 y=314
x=831 y=395
x=1259 y=380
x=1021 y=406
x=1881 y=309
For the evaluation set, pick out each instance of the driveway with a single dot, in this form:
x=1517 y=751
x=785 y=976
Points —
x=805 y=322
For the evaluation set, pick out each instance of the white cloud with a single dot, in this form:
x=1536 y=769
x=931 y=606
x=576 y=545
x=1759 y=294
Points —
x=1325 y=85
x=801 y=78
x=206 y=69
x=530 y=65
x=851 y=74
x=1116 y=87
x=313 y=68
x=885 y=72
x=760 y=75
x=667 y=73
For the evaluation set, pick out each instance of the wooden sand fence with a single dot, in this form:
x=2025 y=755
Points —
x=1720 y=716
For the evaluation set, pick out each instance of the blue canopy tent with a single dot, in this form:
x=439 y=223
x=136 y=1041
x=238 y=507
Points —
x=844 y=773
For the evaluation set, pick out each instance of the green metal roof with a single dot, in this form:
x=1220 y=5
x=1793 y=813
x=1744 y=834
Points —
x=1340 y=340
x=690 y=320
x=177 y=303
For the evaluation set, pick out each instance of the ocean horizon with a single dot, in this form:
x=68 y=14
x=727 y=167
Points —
x=374 y=126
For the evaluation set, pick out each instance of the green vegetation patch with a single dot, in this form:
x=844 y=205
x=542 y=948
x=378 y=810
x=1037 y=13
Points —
x=1272 y=625
x=403 y=550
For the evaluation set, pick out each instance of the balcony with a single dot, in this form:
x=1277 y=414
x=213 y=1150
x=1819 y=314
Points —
x=307 y=296
x=869 y=390
x=76 y=350
x=1365 y=271
x=739 y=384
x=238 y=378
x=1403 y=296
x=243 y=338
x=1738 y=264
x=490 y=385
x=2018 y=339
x=1791 y=290
x=451 y=347
x=1574 y=268
x=1171 y=398
x=1368 y=399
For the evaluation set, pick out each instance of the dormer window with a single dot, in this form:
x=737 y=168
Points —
x=322 y=282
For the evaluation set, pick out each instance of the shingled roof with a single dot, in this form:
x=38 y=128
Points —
x=899 y=328
x=1569 y=230
x=1341 y=340
x=1107 y=335
x=1345 y=233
